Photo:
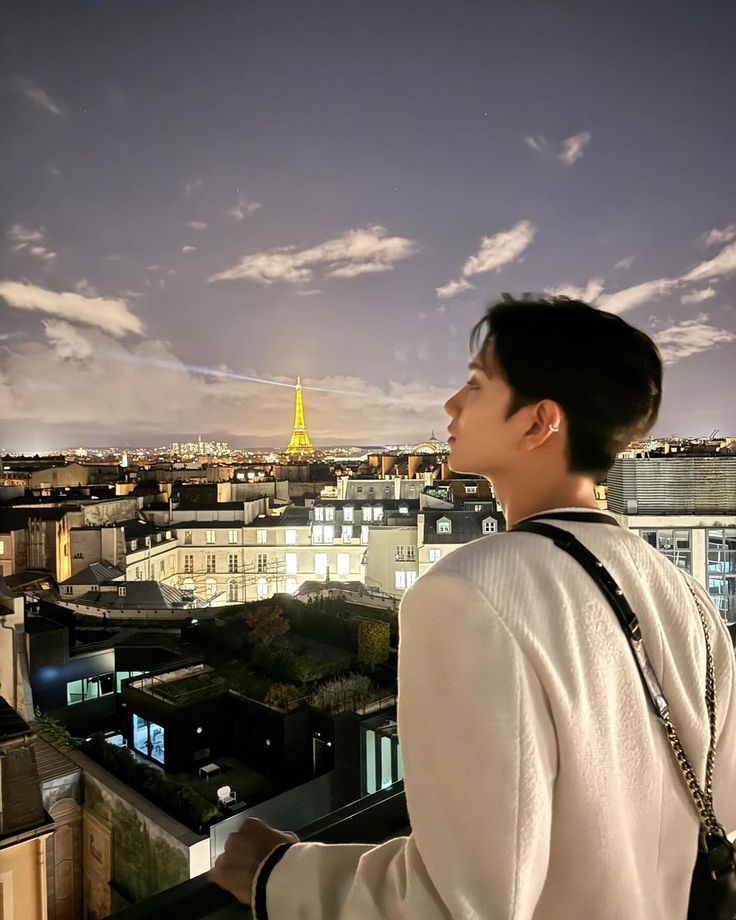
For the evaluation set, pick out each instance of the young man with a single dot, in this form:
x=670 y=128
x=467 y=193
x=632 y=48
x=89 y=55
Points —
x=540 y=784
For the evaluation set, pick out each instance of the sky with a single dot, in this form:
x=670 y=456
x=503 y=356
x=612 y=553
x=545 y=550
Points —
x=335 y=189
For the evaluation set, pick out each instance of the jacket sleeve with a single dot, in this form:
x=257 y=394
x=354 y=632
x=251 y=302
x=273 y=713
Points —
x=480 y=759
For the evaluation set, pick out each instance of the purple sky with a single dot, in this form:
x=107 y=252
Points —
x=335 y=189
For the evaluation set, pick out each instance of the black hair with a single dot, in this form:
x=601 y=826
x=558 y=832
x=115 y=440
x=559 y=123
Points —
x=605 y=374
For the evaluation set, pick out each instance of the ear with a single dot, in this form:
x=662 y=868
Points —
x=546 y=421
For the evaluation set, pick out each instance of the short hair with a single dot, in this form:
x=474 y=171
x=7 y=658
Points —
x=605 y=374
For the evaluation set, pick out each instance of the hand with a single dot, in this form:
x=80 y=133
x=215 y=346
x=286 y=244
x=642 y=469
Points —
x=245 y=850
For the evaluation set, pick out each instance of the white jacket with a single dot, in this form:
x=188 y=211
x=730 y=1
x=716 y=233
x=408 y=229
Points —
x=540 y=786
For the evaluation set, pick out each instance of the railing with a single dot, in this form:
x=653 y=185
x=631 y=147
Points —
x=372 y=819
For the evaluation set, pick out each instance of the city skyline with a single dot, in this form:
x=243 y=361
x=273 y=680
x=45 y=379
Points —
x=334 y=192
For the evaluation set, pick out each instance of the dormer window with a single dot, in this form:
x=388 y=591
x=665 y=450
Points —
x=367 y=513
x=329 y=513
x=347 y=514
x=489 y=525
x=133 y=545
x=403 y=509
x=319 y=513
x=378 y=513
x=471 y=490
x=444 y=525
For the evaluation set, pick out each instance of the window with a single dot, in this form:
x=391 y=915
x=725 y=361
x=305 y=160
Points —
x=471 y=490
x=319 y=513
x=89 y=688
x=2 y=547
x=210 y=563
x=343 y=563
x=403 y=509
x=232 y=562
x=435 y=555
x=317 y=533
x=187 y=537
x=411 y=577
x=364 y=535
x=210 y=536
x=261 y=536
x=329 y=533
x=378 y=513
x=329 y=513
x=161 y=569
x=133 y=545
x=367 y=513
x=188 y=585
x=262 y=588
x=78 y=556
x=320 y=563
x=291 y=585
x=347 y=513
x=444 y=525
x=400 y=579
x=188 y=564
x=232 y=591
x=291 y=563
x=68 y=589
x=411 y=553
x=722 y=572
x=210 y=588
x=120 y=676
x=148 y=738
x=675 y=544
x=489 y=525
x=138 y=574
x=400 y=553
x=261 y=562
x=290 y=537
x=347 y=533
x=232 y=536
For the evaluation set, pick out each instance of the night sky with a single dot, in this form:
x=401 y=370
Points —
x=335 y=189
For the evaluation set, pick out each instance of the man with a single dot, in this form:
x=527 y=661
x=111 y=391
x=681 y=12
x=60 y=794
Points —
x=538 y=781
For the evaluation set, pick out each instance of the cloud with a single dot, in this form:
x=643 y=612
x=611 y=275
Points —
x=574 y=147
x=113 y=257
x=357 y=252
x=243 y=208
x=67 y=340
x=400 y=355
x=500 y=249
x=699 y=296
x=84 y=287
x=453 y=288
x=625 y=263
x=24 y=239
x=537 y=143
x=110 y=314
x=690 y=338
x=722 y=265
x=638 y=294
x=588 y=294
x=309 y=292
x=188 y=248
x=196 y=224
x=720 y=236
x=194 y=186
x=40 y=97
x=53 y=170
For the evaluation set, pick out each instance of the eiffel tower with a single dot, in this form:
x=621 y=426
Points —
x=299 y=443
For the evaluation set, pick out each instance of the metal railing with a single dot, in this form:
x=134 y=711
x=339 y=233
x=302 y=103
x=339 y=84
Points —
x=373 y=819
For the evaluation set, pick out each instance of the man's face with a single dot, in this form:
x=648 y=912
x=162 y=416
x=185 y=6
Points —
x=481 y=438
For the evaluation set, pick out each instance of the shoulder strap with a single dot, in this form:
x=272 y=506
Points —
x=703 y=799
x=586 y=517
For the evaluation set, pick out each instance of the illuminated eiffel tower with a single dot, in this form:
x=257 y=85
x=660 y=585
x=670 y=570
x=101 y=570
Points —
x=299 y=443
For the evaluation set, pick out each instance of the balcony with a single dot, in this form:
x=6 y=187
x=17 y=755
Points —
x=372 y=819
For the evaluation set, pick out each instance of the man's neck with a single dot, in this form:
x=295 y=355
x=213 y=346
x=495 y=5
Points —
x=519 y=504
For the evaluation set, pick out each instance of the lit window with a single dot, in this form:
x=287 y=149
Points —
x=232 y=591
x=329 y=513
x=347 y=533
x=262 y=587
x=210 y=536
x=291 y=585
x=364 y=534
x=471 y=490
x=400 y=579
x=262 y=536
x=291 y=563
x=320 y=563
x=329 y=533
x=232 y=536
x=378 y=513
x=187 y=537
x=188 y=585
x=403 y=509
x=435 y=555
x=232 y=562
x=411 y=577
x=188 y=564
x=210 y=588
x=319 y=513
x=290 y=537
x=444 y=526
x=210 y=564
x=347 y=514
x=367 y=513
x=317 y=533
x=489 y=525
x=343 y=563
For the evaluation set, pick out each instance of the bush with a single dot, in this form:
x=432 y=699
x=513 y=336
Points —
x=180 y=801
x=282 y=694
x=52 y=730
x=344 y=692
x=373 y=642
x=284 y=664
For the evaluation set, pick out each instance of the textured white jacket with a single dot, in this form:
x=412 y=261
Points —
x=538 y=781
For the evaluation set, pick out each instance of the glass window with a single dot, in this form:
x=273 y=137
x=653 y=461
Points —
x=400 y=579
x=232 y=562
x=317 y=533
x=347 y=514
x=399 y=554
x=188 y=585
x=674 y=544
x=210 y=536
x=320 y=563
x=364 y=535
x=411 y=577
x=489 y=525
x=319 y=513
x=210 y=565
x=722 y=572
x=74 y=692
x=291 y=563
x=329 y=513
x=367 y=513
x=403 y=509
x=261 y=562
x=107 y=684
x=290 y=585
x=444 y=526
x=411 y=553
x=347 y=533
x=329 y=533
x=343 y=563
x=232 y=591
x=187 y=537
x=232 y=536
x=435 y=555
x=261 y=536
x=262 y=587
x=378 y=513
x=210 y=588
x=290 y=537
x=188 y=564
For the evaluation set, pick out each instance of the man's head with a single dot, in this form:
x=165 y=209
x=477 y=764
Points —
x=553 y=362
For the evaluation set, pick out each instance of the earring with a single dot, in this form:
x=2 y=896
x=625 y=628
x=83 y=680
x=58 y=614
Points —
x=554 y=427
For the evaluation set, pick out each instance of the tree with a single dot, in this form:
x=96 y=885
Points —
x=374 y=637
x=267 y=622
